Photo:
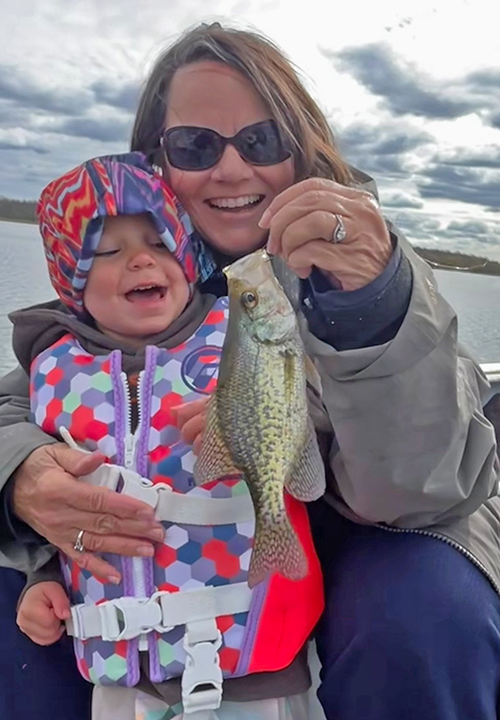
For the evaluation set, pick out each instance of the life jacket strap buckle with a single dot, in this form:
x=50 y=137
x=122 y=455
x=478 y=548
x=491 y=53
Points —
x=202 y=677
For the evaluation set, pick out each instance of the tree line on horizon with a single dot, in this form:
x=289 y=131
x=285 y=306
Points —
x=23 y=210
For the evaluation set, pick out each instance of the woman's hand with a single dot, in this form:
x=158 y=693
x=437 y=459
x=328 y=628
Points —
x=191 y=418
x=48 y=497
x=301 y=222
x=42 y=611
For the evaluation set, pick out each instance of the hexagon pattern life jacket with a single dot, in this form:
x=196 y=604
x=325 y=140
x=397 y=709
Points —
x=189 y=607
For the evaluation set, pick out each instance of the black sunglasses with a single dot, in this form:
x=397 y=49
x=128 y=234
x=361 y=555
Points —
x=197 y=148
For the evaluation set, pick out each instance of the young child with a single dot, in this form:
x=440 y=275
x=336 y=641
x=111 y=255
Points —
x=133 y=340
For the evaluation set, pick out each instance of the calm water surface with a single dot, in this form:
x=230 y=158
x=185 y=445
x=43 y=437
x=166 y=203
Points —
x=24 y=281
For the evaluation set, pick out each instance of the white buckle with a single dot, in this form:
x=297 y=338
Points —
x=128 y=617
x=138 y=487
x=202 y=668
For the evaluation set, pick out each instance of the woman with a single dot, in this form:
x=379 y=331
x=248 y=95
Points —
x=252 y=159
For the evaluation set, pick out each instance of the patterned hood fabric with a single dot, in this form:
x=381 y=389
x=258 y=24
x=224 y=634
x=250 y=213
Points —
x=72 y=209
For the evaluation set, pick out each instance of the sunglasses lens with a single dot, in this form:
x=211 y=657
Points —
x=261 y=144
x=195 y=148
x=190 y=148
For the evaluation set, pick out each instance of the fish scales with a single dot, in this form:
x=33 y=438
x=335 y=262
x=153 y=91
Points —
x=258 y=421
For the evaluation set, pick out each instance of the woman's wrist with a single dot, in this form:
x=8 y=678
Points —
x=371 y=315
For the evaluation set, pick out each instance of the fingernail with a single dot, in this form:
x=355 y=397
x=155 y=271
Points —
x=263 y=222
x=115 y=579
x=146 y=514
x=157 y=534
x=145 y=550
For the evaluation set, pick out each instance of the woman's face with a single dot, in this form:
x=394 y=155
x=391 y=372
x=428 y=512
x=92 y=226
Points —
x=212 y=95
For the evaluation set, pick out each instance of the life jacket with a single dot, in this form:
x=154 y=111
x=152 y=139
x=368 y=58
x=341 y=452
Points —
x=189 y=607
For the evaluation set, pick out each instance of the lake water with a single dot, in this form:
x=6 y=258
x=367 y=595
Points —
x=24 y=281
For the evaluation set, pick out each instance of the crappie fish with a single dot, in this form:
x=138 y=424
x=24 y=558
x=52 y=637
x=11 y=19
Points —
x=258 y=423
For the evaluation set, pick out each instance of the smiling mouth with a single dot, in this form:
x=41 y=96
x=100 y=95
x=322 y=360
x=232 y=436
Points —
x=245 y=202
x=149 y=292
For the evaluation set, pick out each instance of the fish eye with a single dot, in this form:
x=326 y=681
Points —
x=249 y=299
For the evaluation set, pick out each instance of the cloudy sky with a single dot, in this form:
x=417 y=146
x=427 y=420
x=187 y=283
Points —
x=411 y=87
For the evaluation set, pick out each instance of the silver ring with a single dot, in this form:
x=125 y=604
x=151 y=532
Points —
x=78 y=546
x=340 y=233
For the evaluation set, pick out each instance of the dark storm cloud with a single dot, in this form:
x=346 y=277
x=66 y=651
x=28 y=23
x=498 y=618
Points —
x=103 y=129
x=468 y=227
x=23 y=91
x=124 y=97
x=404 y=89
x=9 y=145
x=382 y=148
x=416 y=226
x=495 y=120
x=488 y=78
x=486 y=157
x=461 y=184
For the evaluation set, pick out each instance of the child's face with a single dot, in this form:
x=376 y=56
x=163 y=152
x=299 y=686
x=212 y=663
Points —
x=135 y=287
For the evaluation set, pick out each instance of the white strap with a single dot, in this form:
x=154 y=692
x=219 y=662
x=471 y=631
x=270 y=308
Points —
x=187 y=509
x=128 y=617
x=170 y=506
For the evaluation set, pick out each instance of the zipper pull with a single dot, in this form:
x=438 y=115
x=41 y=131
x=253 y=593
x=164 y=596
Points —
x=129 y=451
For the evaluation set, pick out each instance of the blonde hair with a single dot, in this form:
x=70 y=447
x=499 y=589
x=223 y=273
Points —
x=301 y=122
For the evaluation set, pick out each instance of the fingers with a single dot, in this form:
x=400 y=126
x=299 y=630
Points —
x=317 y=225
x=185 y=412
x=319 y=208
x=315 y=185
x=109 y=543
x=41 y=611
x=197 y=444
x=42 y=634
x=59 y=600
x=193 y=427
x=103 y=501
x=94 y=564
x=75 y=462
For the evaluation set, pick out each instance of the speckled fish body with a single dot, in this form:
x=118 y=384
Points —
x=258 y=422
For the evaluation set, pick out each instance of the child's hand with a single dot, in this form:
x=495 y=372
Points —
x=41 y=612
x=191 y=418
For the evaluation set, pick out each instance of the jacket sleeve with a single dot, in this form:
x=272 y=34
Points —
x=50 y=572
x=412 y=445
x=18 y=436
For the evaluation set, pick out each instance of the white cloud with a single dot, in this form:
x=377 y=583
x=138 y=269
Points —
x=69 y=73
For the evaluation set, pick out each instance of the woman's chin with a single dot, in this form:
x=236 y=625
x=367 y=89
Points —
x=238 y=244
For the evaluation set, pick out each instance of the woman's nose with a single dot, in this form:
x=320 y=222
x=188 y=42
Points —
x=231 y=167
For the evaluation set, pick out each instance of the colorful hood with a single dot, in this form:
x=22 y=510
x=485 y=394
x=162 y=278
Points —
x=72 y=209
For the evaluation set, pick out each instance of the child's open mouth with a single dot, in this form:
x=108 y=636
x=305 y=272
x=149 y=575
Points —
x=147 y=293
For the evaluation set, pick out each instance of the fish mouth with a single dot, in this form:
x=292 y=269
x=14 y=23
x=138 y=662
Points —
x=245 y=266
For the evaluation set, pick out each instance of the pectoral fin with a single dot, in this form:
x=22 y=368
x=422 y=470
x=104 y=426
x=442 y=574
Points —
x=214 y=461
x=307 y=481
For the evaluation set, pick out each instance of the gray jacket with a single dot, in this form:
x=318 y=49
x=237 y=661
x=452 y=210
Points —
x=412 y=449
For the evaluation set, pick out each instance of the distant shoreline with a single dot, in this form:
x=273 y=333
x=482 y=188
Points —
x=17 y=220
x=458 y=262
x=437 y=259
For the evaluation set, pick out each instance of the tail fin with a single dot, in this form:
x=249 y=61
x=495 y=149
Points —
x=277 y=549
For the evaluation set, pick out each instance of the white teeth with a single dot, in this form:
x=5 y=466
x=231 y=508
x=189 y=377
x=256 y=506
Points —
x=235 y=202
